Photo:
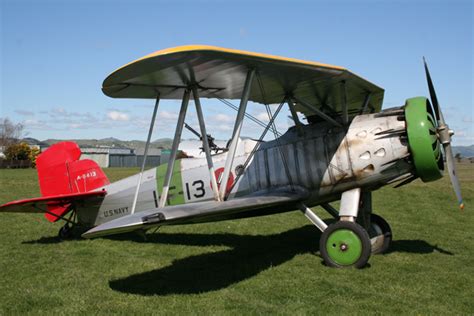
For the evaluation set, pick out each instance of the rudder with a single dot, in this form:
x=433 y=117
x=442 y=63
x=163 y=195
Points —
x=61 y=172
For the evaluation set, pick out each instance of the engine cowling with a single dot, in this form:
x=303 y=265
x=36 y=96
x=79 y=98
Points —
x=423 y=140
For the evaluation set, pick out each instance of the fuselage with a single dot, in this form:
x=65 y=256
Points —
x=319 y=158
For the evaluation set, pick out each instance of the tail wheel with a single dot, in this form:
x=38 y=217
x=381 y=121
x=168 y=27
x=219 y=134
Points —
x=65 y=232
x=380 y=234
x=345 y=244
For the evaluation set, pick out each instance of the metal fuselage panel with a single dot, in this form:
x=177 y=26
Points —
x=119 y=198
x=322 y=159
x=328 y=161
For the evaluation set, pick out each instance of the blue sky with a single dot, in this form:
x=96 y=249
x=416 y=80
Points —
x=55 y=55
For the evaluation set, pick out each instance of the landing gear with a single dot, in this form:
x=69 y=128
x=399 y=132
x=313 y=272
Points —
x=348 y=243
x=65 y=232
x=380 y=234
x=345 y=244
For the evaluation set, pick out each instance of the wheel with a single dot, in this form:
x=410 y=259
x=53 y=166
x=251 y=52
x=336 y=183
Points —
x=380 y=234
x=65 y=232
x=345 y=244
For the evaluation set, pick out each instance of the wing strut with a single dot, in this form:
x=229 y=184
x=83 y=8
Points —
x=236 y=108
x=345 y=111
x=318 y=112
x=235 y=135
x=280 y=147
x=274 y=130
x=205 y=144
x=366 y=103
x=174 y=148
x=257 y=145
x=294 y=115
x=150 y=131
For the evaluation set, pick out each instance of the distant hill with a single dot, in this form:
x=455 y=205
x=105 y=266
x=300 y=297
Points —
x=465 y=151
x=164 y=143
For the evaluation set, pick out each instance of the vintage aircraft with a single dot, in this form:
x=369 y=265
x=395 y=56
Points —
x=347 y=148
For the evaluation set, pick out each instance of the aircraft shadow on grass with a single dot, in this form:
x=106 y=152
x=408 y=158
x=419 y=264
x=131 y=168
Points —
x=416 y=246
x=49 y=240
x=247 y=256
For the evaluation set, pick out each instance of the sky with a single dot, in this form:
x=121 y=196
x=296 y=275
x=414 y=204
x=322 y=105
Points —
x=55 y=54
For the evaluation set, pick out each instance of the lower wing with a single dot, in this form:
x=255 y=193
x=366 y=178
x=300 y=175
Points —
x=46 y=203
x=199 y=211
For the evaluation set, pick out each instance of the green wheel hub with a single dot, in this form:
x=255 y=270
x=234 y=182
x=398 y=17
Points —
x=422 y=139
x=344 y=247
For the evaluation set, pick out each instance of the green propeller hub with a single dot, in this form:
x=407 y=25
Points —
x=423 y=139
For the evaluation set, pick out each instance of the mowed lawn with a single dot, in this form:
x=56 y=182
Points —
x=266 y=265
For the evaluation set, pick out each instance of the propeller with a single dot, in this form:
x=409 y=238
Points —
x=444 y=135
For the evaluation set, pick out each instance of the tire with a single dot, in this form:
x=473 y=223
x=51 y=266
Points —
x=380 y=234
x=345 y=245
x=65 y=232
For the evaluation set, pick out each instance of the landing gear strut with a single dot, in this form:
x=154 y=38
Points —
x=356 y=235
x=66 y=231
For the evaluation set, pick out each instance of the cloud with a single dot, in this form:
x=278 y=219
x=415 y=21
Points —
x=35 y=124
x=168 y=115
x=59 y=111
x=463 y=136
x=60 y=115
x=467 y=120
x=222 y=118
x=463 y=133
x=221 y=128
x=118 y=116
x=119 y=123
x=262 y=116
x=25 y=113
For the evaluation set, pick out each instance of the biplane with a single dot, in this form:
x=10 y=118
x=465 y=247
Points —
x=342 y=147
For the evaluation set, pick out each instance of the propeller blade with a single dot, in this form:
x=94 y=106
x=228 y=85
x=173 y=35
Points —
x=452 y=173
x=434 y=99
x=444 y=137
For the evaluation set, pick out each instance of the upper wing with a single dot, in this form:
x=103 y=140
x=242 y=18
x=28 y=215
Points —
x=221 y=72
x=41 y=204
x=185 y=213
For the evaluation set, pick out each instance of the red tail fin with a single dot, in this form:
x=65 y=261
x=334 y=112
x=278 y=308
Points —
x=61 y=172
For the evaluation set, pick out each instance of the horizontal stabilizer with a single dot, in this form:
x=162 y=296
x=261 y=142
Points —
x=193 y=212
x=41 y=204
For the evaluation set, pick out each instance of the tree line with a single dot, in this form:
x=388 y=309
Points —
x=14 y=150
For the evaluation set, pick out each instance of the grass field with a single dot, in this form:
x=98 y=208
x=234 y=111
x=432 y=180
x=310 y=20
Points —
x=253 y=266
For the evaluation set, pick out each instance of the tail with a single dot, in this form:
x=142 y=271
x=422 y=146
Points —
x=61 y=172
